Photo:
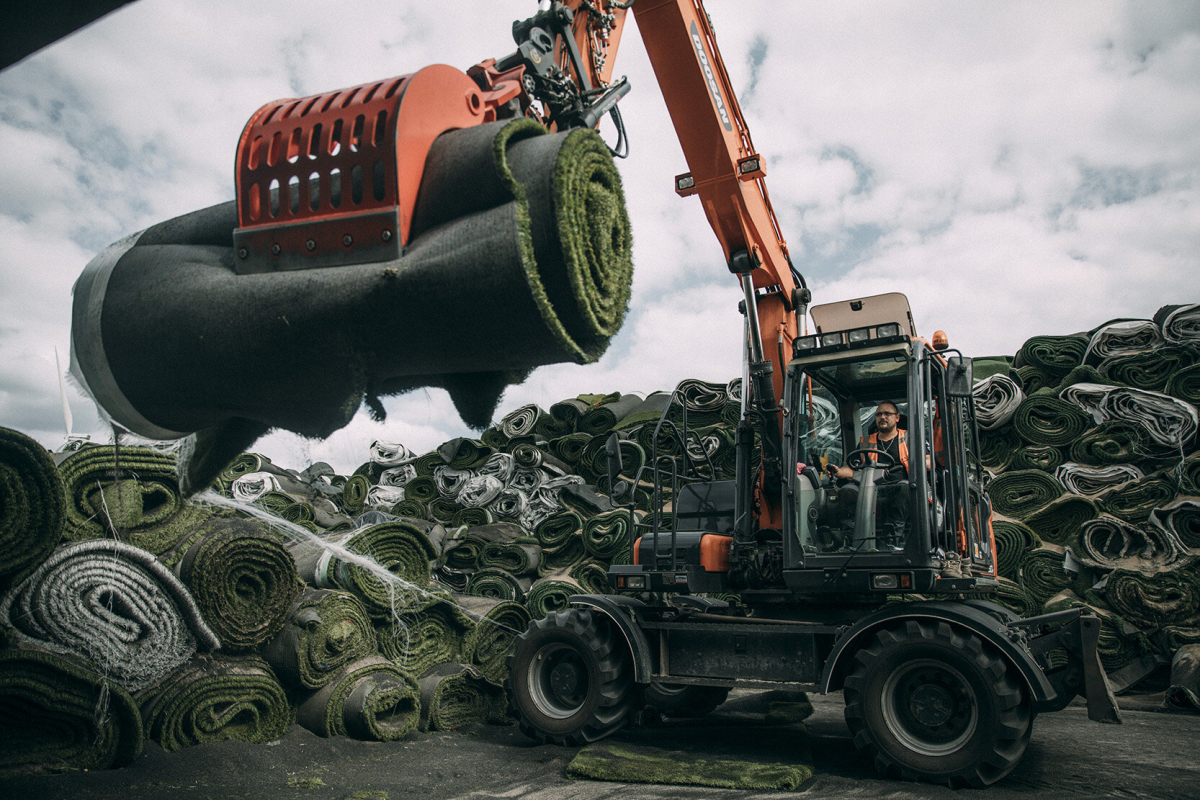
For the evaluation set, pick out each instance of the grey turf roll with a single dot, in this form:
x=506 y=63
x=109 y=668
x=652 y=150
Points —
x=1110 y=543
x=113 y=604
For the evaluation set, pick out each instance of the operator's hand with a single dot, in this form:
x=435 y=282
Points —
x=839 y=472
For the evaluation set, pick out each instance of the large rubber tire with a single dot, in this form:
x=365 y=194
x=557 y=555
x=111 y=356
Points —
x=927 y=702
x=569 y=680
x=682 y=700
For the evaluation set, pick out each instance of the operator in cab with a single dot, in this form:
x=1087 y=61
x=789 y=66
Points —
x=888 y=438
x=891 y=487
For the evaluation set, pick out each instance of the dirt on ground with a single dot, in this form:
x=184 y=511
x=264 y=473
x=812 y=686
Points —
x=1152 y=755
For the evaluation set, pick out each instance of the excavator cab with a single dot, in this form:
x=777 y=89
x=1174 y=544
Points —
x=913 y=516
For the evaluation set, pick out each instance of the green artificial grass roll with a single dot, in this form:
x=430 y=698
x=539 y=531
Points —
x=569 y=448
x=558 y=527
x=497 y=625
x=1114 y=442
x=1181 y=518
x=1053 y=355
x=592 y=576
x=402 y=549
x=1013 y=595
x=563 y=556
x=604 y=417
x=497 y=583
x=413 y=509
x=1042 y=574
x=1014 y=540
x=1034 y=378
x=132 y=490
x=1043 y=457
x=1109 y=543
x=1185 y=384
x=998 y=448
x=1149 y=369
x=1018 y=494
x=215 y=699
x=370 y=699
x=1045 y=420
x=1059 y=521
x=1134 y=501
x=243 y=579
x=517 y=558
x=606 y=536
x=33 y=506
x=471 y=517
x=56 y=716
x=454 y=695
x=551 y=593
x=1151 y=601
x=324 y=631
x=432 y=636
x=354 y=493
x=465 y=547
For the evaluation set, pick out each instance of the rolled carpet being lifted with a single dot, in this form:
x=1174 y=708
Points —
x=520 y=246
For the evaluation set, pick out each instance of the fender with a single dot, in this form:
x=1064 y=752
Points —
x=972 y=618
x=620 y=610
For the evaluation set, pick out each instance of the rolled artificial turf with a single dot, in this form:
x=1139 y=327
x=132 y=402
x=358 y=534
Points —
x=33 y=507
x=630 y=763
x=1042 y=574
x=497 y=583
x=56 y=716
x=606 y=536
x=433 y=636
x=1149 y=601
x=488 y=644
x=1110 y=443
x=216 y=698
x=1060 y=520
x=370 y=699
x=1053 y=355
x=1018 y=494
x=564 y=556
x=324 y=631
x=551 y=593
x=454 y=695
x=517 y=558
x=1045 y=420
x=1148 y=369
x=557 y=528
x=112 y=604
x=243 y=580
x=1014 y=540
x=1134 y=501
x=128 y=492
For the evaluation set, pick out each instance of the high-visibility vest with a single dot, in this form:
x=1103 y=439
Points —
x=902 y=447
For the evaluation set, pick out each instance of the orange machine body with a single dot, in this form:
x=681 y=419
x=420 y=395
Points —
x=333 y=178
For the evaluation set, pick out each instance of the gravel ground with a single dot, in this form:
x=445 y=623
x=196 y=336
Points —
x=1153 y=755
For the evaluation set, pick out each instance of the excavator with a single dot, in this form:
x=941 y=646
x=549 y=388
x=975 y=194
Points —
x=790 y=575
x=942 y=688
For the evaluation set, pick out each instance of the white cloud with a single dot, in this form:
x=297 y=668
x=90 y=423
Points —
x=1016 y=169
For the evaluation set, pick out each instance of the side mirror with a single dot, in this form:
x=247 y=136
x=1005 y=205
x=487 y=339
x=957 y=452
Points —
x=960 y=374
x=612 y=453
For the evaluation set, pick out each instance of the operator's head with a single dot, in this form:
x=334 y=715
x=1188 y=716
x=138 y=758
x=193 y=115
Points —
x=887 y=416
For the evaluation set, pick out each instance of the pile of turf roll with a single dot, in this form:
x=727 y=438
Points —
x=368 y=605
x=1091 y=442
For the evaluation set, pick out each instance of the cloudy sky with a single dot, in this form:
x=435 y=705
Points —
x=1015 y=168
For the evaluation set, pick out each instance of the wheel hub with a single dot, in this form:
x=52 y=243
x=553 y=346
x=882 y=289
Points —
x=564 y=679
x=931 y=705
